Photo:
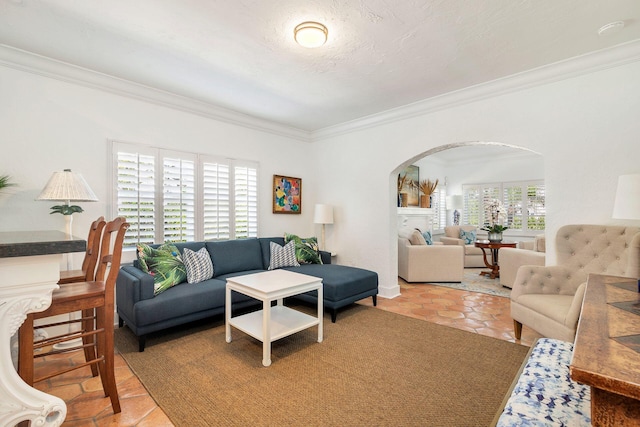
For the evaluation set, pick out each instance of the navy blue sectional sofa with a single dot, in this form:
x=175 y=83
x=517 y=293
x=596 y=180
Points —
x=145 y=313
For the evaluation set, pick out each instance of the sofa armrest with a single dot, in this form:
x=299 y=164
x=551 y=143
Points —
x=511 y=259
x=325 y=257
x=451 y=241
x=551 y=280
x=133 y=284
x=573 y=315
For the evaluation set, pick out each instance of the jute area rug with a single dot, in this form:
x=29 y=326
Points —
x=374 y=368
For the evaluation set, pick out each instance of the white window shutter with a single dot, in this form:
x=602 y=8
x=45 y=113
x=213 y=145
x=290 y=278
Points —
x=178 y=196
x=135 y=195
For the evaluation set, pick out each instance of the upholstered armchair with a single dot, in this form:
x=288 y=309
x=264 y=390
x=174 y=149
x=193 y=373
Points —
x=429 y=263
x=527 y=253
x=549 y=299
x=472 y=255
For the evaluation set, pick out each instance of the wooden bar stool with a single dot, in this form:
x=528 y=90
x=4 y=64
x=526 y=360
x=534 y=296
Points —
x=87 y=272
x=89 y=297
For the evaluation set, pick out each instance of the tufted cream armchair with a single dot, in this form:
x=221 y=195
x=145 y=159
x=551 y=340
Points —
x=548 y=299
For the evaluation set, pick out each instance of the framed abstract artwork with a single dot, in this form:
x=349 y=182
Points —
x=287 y=195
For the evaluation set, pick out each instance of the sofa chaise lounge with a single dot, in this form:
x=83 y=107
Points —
x=144 y=313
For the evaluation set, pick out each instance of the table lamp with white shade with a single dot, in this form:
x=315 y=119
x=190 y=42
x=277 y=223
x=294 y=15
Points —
x=627 y=201
x=323 y=214
x=67 y=186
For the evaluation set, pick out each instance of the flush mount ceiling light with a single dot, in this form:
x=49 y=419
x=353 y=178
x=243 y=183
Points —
x=610 y=28
x=310 y=34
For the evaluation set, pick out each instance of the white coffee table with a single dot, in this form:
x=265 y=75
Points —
x=272 y=323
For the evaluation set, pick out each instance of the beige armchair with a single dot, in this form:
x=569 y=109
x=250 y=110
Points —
x=429 y=263
x=548 y=299
x=472 y=255
x=527 y=253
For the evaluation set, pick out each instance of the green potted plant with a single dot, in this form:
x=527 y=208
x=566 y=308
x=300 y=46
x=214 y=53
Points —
x=496 y=216
x=5 y=181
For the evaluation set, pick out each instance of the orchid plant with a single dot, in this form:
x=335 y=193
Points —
x=497 y=215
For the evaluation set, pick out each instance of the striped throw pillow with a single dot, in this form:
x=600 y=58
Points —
x=283 y=256
x=198 y=264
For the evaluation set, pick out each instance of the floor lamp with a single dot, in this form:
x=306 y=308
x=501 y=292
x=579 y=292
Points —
x=627 y=202
x=323 y=214
x=67 y=186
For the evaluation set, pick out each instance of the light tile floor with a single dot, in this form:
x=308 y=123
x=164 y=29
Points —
x=474 y=312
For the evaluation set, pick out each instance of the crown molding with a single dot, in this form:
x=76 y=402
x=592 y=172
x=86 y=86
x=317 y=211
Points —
x=580 y=65
x=47 y=67
x=40 y=65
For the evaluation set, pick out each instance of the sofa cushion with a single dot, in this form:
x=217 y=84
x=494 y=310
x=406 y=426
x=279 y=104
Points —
x=338 y=281
x=198 y=264
x=416 y=238
x=283 y=256
x=164 y=263
x=469 y=236
x=183 y=300
x=307 y=251
x=230 y=256
x=539 y=243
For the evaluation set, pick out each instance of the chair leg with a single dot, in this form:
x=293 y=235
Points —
x=25 y=357
x=105 y=349
x=88 y=324
x=517 y=329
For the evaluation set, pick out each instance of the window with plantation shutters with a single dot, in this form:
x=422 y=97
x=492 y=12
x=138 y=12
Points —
x=178 y=197
x=439 y=217
x=524 y=203
x=216 y=200
x=170 y=196
x=246 y=201
x=135 y=195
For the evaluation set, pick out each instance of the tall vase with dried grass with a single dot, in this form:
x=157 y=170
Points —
x=402 y=183
x=427 y=188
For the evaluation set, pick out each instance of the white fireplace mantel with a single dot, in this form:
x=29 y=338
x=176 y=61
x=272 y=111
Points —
x=415 y=217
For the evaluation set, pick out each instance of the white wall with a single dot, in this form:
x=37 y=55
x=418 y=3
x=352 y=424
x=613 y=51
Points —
x=48 y=125
x=586 y=128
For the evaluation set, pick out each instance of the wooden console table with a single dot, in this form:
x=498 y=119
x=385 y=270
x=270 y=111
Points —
x=606 y=353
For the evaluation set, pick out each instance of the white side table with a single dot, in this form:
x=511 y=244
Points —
x=272 y=323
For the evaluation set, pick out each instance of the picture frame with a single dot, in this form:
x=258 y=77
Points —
x=287 y=195
x=413 y=177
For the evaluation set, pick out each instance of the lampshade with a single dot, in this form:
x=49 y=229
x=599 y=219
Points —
x=627 y=202
x=67 y=186
x=455 y=202
x=323 y=214
x=310 y=34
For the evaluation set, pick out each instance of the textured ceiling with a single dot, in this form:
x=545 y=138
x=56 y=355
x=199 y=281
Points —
x=381 y=54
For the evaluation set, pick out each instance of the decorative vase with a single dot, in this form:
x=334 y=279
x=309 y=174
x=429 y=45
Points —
x=425 y=201
x=404 y=198
x=495 y=237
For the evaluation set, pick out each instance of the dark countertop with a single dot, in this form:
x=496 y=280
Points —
x=29 y=243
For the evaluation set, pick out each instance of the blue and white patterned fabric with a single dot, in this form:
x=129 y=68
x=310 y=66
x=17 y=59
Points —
x=283 y=256
x=545 y=394
x=469 y=237
x=427 y=237
x=198 y=265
